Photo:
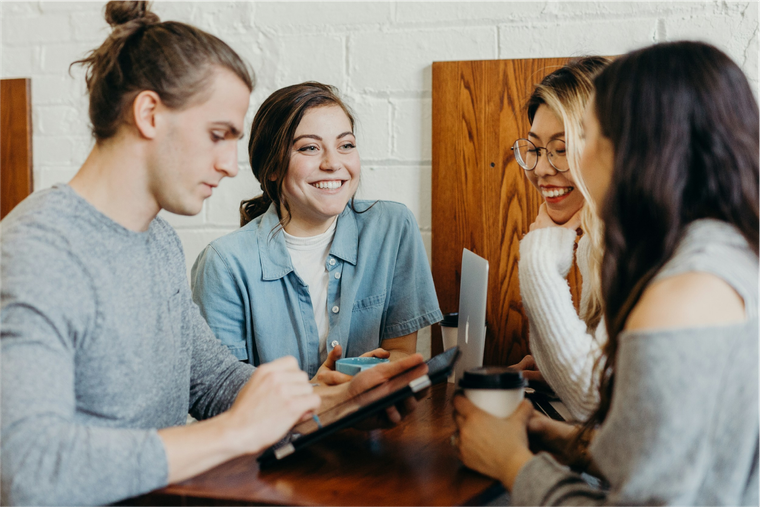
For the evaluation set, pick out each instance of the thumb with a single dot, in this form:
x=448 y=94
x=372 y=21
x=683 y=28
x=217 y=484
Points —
x=379 y=352
x=524 y=412
x=333 y=356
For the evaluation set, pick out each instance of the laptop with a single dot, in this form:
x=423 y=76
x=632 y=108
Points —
x=473 y=295
x=471 y=331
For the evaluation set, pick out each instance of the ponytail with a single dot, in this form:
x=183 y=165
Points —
x=173 y=59
x=252 y=208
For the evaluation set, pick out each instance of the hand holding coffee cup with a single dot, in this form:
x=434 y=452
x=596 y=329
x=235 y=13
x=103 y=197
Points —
x=498 y=390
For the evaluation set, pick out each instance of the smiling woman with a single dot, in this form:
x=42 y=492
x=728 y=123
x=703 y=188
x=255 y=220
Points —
x=312 y=272
x=546 y=165
x=323 y=173
x=564 y=343
x=672 y=144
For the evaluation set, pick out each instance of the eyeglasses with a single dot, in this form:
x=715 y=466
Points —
x=527 y=153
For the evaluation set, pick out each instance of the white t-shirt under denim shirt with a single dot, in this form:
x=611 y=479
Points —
x=309 y=257
x=379 y=286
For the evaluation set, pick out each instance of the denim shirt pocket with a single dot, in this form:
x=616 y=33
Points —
x=366 y=320
x=369 y=303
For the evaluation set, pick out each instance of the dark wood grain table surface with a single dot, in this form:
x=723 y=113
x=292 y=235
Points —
x=410 y=464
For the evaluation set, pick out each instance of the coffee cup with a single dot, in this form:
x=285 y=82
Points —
x=496 y=389
x=449 y=328
x=354 y=365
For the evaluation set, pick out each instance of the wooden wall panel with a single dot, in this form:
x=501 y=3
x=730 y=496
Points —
x=481 y=199
x=15 y=143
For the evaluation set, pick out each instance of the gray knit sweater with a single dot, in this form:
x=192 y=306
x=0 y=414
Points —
x=683 y=425
x=101 y=345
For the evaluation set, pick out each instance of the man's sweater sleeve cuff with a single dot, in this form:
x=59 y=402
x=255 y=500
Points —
x=154 y=464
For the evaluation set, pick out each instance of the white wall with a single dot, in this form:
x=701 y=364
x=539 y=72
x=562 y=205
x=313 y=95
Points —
x=379 y=54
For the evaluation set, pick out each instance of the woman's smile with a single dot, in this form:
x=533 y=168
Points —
x=556 y=187
x=554 y=194
x=323 y=172
x=328 y=184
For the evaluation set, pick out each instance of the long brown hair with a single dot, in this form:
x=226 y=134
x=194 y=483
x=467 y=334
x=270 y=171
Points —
x=683 y=122
x=173 y=59
x=272 y=132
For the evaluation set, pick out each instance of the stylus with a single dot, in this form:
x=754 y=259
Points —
x=316 y=420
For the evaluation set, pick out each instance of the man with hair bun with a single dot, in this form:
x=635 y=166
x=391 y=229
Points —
x=103 y=351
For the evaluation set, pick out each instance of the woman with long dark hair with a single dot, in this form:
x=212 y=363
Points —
x=671 y=156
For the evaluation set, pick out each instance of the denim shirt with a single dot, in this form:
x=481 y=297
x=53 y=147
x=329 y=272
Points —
x=380 y=287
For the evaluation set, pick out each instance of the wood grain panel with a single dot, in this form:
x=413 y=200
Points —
x=412 y=463
x=481 y=198
x=15 y=143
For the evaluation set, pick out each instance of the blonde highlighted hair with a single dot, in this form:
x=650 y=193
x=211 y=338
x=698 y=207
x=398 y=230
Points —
x=566 y=92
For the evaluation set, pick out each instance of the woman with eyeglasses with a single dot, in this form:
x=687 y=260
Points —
x=671 y=159
x=564 y=345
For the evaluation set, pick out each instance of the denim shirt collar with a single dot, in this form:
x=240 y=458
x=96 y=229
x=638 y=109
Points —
x=275 y=259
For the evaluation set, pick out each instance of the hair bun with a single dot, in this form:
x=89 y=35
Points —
x=119 y=13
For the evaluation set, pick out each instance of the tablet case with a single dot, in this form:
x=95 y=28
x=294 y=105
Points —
x=439 y=368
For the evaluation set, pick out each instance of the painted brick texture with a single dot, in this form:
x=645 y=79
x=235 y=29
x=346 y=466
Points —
x=379 y=55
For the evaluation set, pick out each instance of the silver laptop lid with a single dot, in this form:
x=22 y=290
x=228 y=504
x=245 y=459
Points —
x=473 y=294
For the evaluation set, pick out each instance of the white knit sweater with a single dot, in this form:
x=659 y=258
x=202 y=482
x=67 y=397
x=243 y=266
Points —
x=564 y=351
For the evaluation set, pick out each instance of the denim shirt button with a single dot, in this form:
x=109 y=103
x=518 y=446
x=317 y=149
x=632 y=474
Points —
x=332 y=262
x=335 y=309
x=337 y=275
x=334 y=343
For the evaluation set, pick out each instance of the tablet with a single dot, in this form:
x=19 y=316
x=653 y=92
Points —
x=360 y=407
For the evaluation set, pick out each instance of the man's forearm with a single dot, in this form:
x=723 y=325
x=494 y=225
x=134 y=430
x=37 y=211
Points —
x=197 y=447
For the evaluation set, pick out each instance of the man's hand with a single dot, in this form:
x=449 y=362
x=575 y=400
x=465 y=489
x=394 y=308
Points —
x=277 y=395
x=275 y=398
x=326 y=375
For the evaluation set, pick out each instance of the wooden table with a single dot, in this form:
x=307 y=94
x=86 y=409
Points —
x=410 y=464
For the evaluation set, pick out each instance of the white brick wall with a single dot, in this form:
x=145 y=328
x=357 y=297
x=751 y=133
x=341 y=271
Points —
x=379 y=54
